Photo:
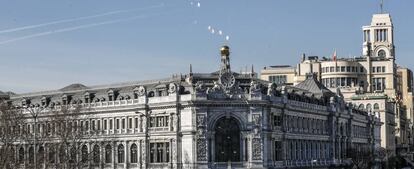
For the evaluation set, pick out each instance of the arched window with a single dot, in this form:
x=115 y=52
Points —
x=21 y=155
x=361 y=107
x=121 y=154
x=96 y=153
x=62 y=154
x=41 y=154
x=12 y=155
x=369 y=107
x=134 y=156
x=84 y=151
x=72 y=155
x=108 y=154
x=376 y=107
x=51 y=155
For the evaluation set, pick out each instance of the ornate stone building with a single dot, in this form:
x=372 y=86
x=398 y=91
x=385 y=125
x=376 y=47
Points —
x=206 y=120
x=373 y=81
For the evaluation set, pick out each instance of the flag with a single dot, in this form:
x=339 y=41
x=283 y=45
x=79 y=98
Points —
x=334 y=55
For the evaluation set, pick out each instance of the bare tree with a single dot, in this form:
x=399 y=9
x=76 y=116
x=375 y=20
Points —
x=11 y=129
x=68 y=142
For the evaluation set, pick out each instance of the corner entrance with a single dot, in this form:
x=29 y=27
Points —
x=227 y=140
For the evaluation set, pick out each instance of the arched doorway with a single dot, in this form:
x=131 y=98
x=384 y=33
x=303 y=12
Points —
x=227 y=140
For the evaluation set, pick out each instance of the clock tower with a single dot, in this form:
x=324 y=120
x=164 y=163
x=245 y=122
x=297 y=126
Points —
x=226 y=77
x=379 y=37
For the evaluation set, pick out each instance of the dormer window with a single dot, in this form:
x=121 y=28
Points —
x=65 y=99
x=25 y=102
x=88 y=98
x=111 y=95
x=44 y=101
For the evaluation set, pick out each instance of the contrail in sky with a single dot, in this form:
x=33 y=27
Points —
x=75 y=19
x=74 y=28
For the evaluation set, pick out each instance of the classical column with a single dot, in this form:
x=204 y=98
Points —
x=126 y=154
x=114 y=151
x=101 y=154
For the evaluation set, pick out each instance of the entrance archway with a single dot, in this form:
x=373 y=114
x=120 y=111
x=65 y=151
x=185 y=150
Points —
x=227 y=140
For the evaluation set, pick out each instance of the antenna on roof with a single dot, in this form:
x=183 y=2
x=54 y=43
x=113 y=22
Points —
x=382 y=6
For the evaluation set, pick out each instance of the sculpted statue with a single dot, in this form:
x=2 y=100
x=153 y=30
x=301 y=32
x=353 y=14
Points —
x=271 y=89
x=254 y=87
x=215 y=88
x=200 y=87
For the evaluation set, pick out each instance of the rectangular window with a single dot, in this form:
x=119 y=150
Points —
x=117 y=124
x=338 y=82
x=105 y=125
x=93 y=125
x=110 y=124
x=348 y=69
x=373 y=70
x=159 y=152
x=123 y=123
x=75 y=126
x=81 y=126
x=280 y=79
x=378 y=69
x=332 y=69
x=99 y=125
x=383 y=69
x=277 y=120
x=342 y=81
x=130 y=123
x=337 y=69
x=378 y=84
x=159 y=121
x=87 y=125
x=342 y=68
x=348 y=82
x=361 y=69
x=136 y=122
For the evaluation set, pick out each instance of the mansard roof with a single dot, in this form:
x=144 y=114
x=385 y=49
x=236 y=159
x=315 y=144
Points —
x=2 y=94
x=312 y=85
x=78 y=90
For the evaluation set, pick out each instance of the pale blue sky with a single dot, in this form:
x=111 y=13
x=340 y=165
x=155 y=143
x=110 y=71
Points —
x=101 y=41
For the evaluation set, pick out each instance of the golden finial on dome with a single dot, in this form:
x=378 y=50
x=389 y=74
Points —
x=225 y=50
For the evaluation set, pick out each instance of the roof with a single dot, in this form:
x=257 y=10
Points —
x=2 y=93
x=311 y=84
x=75 y=86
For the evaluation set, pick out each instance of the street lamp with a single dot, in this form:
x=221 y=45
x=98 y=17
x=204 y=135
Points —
x=34 y=112
x=313 y=161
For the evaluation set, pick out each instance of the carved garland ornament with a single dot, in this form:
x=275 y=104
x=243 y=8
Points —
x=141 y=91
x=257 y=149
x=172 y=88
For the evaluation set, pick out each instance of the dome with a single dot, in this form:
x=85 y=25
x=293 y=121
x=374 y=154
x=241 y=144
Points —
x=225 y=50
x=75 y=86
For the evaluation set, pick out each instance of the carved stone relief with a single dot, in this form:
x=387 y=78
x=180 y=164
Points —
x=172 y=88
x=201 y=149
x=141 y=91
x=257 y=149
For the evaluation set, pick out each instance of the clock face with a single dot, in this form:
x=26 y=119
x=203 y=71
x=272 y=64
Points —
x=227 y=80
